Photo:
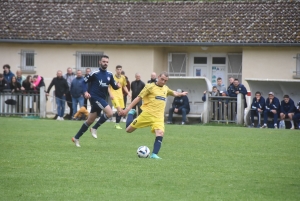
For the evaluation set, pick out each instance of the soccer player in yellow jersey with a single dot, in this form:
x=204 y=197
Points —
x=154 y=97
x=116 y=96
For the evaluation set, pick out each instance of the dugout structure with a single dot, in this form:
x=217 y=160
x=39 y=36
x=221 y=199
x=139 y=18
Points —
x=280 y=87
x=195 y=86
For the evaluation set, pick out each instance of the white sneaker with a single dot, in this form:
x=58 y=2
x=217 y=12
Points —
x=62 y=119
x=76 y=141
x=58 y=118
x=94 y=133
x=292 y=128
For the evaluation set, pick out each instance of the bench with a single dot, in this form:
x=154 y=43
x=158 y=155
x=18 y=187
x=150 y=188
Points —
x=196 y=109
x=270 y=119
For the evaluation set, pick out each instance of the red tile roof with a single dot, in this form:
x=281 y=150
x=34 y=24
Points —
x=154 y=23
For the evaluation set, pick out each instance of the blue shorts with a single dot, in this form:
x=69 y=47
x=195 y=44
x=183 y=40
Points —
x=98 y=104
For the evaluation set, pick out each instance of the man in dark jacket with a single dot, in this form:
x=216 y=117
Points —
x=181 y=106
x=257 y=108
x=87 y=72
x=3 y=83
x=287 y=110
x=77 y=92
x=271 y=109
x=136 y=87
x=237 y=88
x=296 y=117
x=7 y=73
x=69 y=76
x=153 y=78
x=61 y=89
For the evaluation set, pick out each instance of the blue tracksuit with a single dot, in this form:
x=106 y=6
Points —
x=274 y=105
x=286 y=108
x=8 y=76
x=257 y=104
x=296 y=117
x=183 y=106
x=76 y=88
x=241 y=89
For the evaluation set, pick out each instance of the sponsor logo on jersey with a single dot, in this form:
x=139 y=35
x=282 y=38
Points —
x=160 y=98
x=103 y=84
x=108 y=78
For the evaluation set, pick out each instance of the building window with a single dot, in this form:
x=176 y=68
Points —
x=235 y=62
x=200 y=60
x=177 y=64
x=219 y=60
x=297 y=72
x=27 y=61
x=88 y=60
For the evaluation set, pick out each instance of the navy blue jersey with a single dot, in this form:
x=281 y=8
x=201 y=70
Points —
x=99 y=81
x=287 y=107
x=258 y=104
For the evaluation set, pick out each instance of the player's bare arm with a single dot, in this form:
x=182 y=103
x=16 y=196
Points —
x=176 y=94
x=133 y=103
x=110 y=95
x=126 y=90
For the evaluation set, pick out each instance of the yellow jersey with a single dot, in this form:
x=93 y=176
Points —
x=154 y=99
x=118 y=93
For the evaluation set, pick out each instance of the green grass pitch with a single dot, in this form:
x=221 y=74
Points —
x=38 y=161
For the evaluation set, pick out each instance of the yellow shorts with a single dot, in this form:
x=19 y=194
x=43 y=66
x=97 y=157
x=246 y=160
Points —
x=118 y=102
x=146 y=119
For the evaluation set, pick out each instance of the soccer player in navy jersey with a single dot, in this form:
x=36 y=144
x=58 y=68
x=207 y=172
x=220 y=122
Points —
x=99 y=81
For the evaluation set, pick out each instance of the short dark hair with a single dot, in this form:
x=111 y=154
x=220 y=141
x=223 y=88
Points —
x=236 y=79
x=104 y=56
x=118 y=66
x=164 y=73
x=219 y=78
x=6 y=66
x=286 y=96
x=257 y=93
x=214 y=87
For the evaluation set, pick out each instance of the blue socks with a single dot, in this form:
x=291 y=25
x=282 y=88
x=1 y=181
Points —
x=157 y=144
x=129 y=119
x=82 y=130
x=102 y=119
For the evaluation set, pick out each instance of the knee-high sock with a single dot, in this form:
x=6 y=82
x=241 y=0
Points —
x=102 y=119
x=129 y=119
x=118 y=118
x=157 y=144
x=82 y=130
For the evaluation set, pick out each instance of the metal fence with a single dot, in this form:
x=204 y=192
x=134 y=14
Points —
x=23 y=103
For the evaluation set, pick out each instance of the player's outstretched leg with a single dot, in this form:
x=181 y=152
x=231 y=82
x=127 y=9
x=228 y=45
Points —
x=101 y=121
x=130 y=115
x=118 y=119
x=81 y=131
x=157 y=144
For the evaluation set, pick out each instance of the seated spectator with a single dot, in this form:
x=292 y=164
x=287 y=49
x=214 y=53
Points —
x=296 y=117
x=272 y=107
x=27 y=84
x=287 y=110
x=4 y=85
x=257 y=108
x=213 y=93
x=37 y=83
x=181 y=106
x=14 y=85
x=20 y=78
x=237 y=88
x=81 y=114
x=7 y=73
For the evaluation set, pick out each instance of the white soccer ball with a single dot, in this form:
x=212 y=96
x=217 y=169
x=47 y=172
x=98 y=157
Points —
x=143 y=152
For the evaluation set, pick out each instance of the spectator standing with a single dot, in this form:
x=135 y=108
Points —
x=272 y=107
x=20 y=78
x=257 y=108
x=14 y=85
x=231 y=79
x=136 y=87
x=87 y=72
x=296 y=117
x=77 y=92
x=69 y=76
x=37 y=83
x=287 y=110
x=153 y=78
x=116 y=96
x=7 y=73
x=220 y=85
x=3 y=83
x=237 y=88
x=61 y=89
x=27 y=88
x=181 y=106
x=124 y=92
x=27 y=84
